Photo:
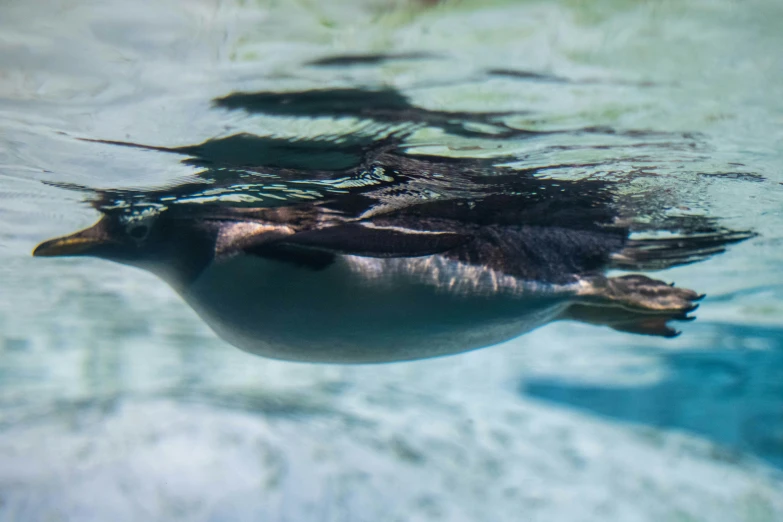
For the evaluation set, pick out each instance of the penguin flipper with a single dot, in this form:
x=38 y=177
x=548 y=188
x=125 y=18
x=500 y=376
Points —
x=364 y=239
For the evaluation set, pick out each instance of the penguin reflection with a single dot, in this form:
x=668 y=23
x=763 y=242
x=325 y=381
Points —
x=413 y=257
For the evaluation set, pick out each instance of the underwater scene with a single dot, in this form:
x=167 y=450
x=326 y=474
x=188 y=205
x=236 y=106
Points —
x=391 y=260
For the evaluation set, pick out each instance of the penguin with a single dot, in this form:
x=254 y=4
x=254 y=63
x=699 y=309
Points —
x=408 y=266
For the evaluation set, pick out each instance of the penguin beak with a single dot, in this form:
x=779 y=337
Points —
x=81 y=243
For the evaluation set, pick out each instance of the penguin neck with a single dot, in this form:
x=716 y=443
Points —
x=182 y=257
x=178 y=274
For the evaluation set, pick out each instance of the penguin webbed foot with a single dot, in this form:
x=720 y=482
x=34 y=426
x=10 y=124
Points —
x=634 y=304
x=643 y=293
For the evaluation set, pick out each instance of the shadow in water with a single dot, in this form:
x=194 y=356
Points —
x=732 y=397
x=382 y=105
x=362 y=60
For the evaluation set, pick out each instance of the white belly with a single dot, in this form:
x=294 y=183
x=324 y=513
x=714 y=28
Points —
x=362 y=310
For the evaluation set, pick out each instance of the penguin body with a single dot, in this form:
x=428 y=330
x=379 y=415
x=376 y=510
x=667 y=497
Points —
x=308 y=284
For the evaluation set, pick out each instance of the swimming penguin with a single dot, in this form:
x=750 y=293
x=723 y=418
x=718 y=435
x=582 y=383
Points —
x=410 y=268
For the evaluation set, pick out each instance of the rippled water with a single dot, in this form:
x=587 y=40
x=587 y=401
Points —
x=118 y=403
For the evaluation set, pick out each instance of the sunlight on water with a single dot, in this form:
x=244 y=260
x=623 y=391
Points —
x=660 y=119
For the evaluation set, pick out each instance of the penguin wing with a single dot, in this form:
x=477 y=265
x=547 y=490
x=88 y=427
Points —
x=369 y=240
x=316 y=248
x=546 y=254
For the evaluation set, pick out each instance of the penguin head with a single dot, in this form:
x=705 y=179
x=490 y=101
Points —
x=174 y=249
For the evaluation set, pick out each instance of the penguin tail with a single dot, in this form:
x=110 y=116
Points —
x=659 y=253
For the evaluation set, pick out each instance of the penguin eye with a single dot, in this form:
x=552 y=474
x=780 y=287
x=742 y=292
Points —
x=138 y=232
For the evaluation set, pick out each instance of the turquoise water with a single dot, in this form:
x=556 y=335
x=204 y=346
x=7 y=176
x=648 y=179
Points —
x=118 y=403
